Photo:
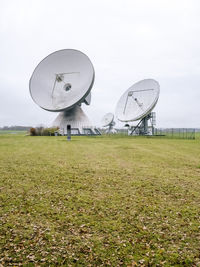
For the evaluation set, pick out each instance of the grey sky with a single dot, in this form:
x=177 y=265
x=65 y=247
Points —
x=126 y=41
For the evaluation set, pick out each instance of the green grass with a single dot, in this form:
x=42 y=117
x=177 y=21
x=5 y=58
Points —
x=99 y=201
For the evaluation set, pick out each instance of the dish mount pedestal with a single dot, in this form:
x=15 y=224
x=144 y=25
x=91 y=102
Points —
x=77 y=119
x=111 y=129
x=143 y=128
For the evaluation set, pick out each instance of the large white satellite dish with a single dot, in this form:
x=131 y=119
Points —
x=61 y=82
x=137 y=102
x=108 y=121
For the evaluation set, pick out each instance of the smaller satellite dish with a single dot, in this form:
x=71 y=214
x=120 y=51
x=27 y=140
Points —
x=107 y=119
x=138 y=101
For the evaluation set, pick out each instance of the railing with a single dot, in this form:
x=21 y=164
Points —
x=179 y=133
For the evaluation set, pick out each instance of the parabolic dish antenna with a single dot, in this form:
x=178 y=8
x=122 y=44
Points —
x=61 y=82
x=108 y=121
x=138 y=101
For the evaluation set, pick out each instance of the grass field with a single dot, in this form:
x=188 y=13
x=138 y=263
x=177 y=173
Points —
x=99 y=201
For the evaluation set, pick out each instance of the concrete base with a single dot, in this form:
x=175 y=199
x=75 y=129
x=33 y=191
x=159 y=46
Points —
x=80 y=124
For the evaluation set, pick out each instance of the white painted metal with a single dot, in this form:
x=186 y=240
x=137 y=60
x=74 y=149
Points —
x=138 y=101
x=107 y=119
x=62 y=80
x=74 y=117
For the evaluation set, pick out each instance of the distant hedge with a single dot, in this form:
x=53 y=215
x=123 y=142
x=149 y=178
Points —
x=40 y=131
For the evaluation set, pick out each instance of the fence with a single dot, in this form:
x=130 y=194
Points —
x=180 y=133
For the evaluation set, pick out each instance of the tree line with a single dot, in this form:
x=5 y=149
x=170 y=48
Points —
x=15 y=128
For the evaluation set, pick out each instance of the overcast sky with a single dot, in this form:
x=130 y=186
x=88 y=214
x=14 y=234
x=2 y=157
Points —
x=126 y=41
